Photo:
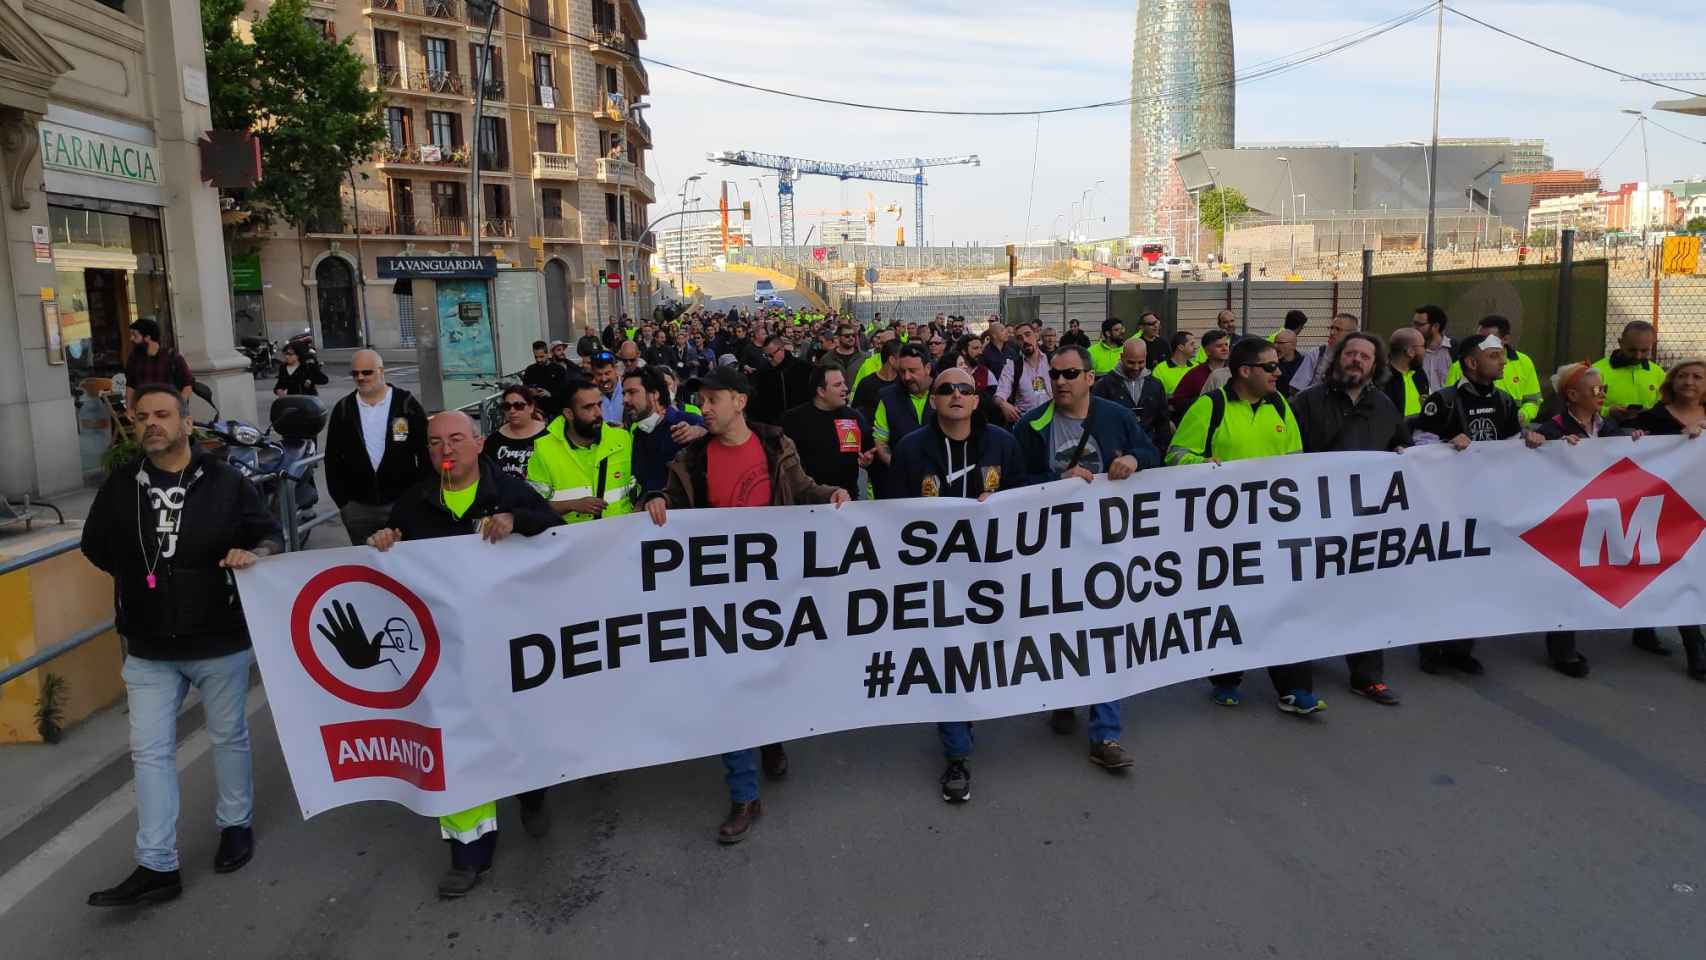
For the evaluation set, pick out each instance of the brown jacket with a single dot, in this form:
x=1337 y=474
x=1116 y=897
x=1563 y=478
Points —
x=687 y=488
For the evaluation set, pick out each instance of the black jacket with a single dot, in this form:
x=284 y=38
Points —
x=1394 y=386
x=1329 y=421
x=1563 y=425
x=778 y=389
x=1150 y=409
x=552 y=377
x=1480 y=413
x=350 y=475
x=303 y=380
x=921 y=467
x=421 y=515
x=192 y=612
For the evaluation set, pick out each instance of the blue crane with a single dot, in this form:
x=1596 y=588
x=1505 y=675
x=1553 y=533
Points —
x=789 y=169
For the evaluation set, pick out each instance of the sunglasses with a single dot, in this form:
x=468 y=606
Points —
x=362 y=373
x=949 y=389
x=1269 y=367
x=1072 y=374
x=516 y=405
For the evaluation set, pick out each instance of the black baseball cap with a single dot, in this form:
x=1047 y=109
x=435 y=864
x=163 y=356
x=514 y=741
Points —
x=723 y=377
x=603 y=358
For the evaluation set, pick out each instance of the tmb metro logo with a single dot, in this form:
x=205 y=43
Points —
x=1619 y=533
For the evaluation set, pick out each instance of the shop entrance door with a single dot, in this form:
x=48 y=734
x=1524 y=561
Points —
x=109 y=318
x=339 y=326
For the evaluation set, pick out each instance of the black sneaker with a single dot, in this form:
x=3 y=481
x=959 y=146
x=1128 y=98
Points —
x=536 y=819
x=1648 y=640
x=956 y=782
x=142 y=886
x=1063 y=722
x=1432 y=663
x=236 y=848
x=1577 y=668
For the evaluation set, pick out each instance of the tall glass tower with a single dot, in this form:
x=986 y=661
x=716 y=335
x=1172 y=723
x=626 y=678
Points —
x=1181 y=84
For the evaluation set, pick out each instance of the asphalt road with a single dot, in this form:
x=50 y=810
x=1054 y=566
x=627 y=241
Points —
x=1516 y=815
x=725 y=290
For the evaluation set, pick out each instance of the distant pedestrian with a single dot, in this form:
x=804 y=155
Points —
x=376 y=447
x=297 y=375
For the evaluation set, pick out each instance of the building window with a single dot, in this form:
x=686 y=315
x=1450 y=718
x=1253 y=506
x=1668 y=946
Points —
x=402 y=207
x=490 y=65
x=539 y=18
x=441 y=129
x=494 y=144
x=545 y=137
x=385 y=57
x=438 y=60
x=495 y=201
x=447 y=200
x=551 y=202
x=323 y=27
x=544 y=82
x=405 y=293
x=397 y=127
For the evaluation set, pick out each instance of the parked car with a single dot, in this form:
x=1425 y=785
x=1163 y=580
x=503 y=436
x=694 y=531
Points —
x=1178 y=268
x=762 y=290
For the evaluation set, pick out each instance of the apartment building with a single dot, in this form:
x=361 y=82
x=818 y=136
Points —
x=561 y=142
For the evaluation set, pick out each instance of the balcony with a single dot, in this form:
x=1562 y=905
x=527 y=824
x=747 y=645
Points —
x=427 y=11
x=634 y=19
x=607 y=42
x=561 y=229
x=644 y=84
x=494 y=162
x=389 y=77
x=623 y=173
x=555 y=166
x=638 y=119
x=379 y=224
x=427 y=157
x=610 y=106
x=494 y=86
x=498 y=228
x=436 y=81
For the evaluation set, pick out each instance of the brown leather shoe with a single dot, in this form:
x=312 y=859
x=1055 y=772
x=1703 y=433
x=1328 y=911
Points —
x=741 y=817
x=774 y=760
x=1110 y=756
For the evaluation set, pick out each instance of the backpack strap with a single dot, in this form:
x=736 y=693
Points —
x=1216 y=414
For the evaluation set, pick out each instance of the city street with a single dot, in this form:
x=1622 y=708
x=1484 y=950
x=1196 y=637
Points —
x=725 y=290
x=1517 y=815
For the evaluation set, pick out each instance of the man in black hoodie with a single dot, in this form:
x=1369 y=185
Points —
x=470 y=495
x=375 y=448
x=169 y=527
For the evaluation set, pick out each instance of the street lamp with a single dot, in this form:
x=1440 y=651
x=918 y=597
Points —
x=1291 y=186
x=681 y=233
x=1091 y=212
x=1433 y=185
x=1646 y=194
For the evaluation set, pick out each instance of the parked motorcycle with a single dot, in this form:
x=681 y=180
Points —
x=262 y=354
x=275 y=456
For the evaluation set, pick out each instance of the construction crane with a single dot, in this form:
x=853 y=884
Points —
x=1665 y=77
x=790 y=169
x=870 y=212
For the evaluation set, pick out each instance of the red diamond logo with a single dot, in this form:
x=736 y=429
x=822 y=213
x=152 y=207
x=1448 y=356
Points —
x=1619 y=533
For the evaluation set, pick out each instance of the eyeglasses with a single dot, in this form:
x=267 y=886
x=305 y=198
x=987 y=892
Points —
x=936 y=343
x=1269 y=367
x=516 y=405
x=949 y=389
x=1071 y=374
x=362 y=373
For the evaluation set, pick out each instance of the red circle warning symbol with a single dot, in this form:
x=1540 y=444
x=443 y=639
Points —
x=364 y=637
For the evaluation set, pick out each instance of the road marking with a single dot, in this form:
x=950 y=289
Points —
x=52 y=856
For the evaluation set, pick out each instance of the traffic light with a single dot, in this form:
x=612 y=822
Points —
x=746 y=210
x=601 y=276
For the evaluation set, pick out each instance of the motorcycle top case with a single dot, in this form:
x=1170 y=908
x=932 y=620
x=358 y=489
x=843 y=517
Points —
x=298 y=418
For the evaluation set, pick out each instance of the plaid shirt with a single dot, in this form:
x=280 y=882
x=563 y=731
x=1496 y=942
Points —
x=168 y=367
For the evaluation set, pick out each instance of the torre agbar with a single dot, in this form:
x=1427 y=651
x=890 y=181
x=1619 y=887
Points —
x=1182 y=91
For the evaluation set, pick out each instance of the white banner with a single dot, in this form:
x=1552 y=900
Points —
x=447 y=673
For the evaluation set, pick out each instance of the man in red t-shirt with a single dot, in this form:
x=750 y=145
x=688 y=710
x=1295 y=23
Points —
x=737 y=464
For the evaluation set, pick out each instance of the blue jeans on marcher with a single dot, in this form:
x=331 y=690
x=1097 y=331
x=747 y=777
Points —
x=156 y=689
x=956 y=739
x=740 y=772
x=1104 y=722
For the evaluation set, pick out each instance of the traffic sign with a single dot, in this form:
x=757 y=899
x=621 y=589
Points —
x=1681 y=255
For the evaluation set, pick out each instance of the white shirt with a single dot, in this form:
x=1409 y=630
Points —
x=1034 y=390
x=375 y=422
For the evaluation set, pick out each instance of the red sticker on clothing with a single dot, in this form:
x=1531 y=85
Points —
x=847 y=432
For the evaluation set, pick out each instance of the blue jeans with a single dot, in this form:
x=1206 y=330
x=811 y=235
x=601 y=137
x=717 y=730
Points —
x=956 y=739
x=1104 y=722
x=740 y=772
x=157 y=689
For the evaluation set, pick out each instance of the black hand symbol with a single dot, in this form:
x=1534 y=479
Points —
x=344 y=631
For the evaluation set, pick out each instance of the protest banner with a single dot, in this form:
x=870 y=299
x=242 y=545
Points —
x=450 y=672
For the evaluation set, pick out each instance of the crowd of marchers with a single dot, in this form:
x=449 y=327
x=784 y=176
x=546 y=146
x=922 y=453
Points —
x=781 y=407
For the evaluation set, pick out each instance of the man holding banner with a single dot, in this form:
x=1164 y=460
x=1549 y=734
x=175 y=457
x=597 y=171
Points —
x=1474 y=409
x=469 y=496
x=1244 y=420
x=1080 y=435
x=957 y=455
x=738 y=465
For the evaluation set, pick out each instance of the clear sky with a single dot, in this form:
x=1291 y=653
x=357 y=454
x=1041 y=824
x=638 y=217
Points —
x=998 y=55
